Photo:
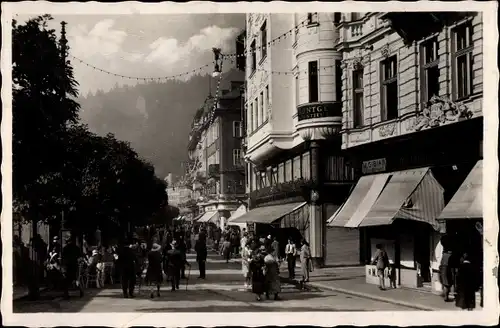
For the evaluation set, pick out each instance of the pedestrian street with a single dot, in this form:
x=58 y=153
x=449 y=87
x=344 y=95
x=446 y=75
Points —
x=221 y=291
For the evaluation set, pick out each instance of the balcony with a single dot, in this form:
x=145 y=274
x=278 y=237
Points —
x=284 y=190
x=319 y=120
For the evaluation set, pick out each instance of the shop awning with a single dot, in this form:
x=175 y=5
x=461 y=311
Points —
x=359 y=202
x=268 y=214
x=236 y=214
x=209 y=216
x=196 y=218
x=467 y=203
x=410 y=194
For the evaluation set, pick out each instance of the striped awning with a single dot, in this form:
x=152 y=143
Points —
x=359 y=202
x=268 y=214
x=411 y=194
x=467 y=203
x=209 y=216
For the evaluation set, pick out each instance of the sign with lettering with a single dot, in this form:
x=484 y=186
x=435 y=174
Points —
x=374 y=166
x=319 y=110
x=211 y=208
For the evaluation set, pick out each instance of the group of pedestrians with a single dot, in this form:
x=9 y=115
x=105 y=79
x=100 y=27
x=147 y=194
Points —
x=261 y=262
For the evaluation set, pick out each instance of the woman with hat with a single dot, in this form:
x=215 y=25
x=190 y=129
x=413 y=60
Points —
x=154 y=274
x=257 y=272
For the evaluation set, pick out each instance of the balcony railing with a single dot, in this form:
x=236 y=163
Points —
x=281 y=191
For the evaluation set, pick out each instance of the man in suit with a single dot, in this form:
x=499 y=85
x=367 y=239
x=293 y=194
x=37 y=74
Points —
x=126 y=264
x=175 y=261
x=201 y=254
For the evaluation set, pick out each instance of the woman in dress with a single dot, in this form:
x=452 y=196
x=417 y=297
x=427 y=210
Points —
x=257 y=273
x=305 y=258
x=226 y=249
x=273 y=286
x=154 y=274
x=246 y=254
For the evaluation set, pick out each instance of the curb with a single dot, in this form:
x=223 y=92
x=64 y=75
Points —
x=372 y=297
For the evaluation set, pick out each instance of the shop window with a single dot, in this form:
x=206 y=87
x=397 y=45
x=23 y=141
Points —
x=263 y=40
x=313 y=81
x=296 y=168
x=274 y=179
x=389 y=89
x=269 y=176
x=281 y=173
x=338 y=80
x=288 y=170
x=430 y=69
x=306 y=166
x=358 y=91
x=462 y=46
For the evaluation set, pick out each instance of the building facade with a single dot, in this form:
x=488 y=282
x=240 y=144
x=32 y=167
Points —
x=216 y=156
x=296 y=174
x=412 y=129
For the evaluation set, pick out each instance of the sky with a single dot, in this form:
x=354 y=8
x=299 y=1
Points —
x=143 y=45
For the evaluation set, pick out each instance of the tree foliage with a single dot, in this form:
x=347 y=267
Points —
x=58 y=164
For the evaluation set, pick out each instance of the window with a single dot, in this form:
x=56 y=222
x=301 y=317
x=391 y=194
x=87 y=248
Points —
x=357 y=101
x=263 y=40
x=274 y=179
x=462 y=61
x=237 y=129
x=355 y=16
x=236 y=157
x=313 y=81
x=312 y=18
x=389 y=89
x=297 y=90
x=250 y=119
x=306 y=166
x=296 y=168
x=266 y=103
x=281 y=173
x=253 y=58
x=217 y=157
x=262 y=111
x=336 y=18
x=338 y=80
x=288 y=170
x=258 y=118
x=430 y=69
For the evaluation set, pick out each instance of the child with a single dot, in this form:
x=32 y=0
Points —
x=392 y=275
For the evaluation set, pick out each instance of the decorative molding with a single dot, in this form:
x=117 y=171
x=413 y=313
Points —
x=386 y=51
x=440 y=111
x=387 y=130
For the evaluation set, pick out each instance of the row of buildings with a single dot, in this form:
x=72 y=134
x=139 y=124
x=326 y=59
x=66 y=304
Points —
x=352 y=129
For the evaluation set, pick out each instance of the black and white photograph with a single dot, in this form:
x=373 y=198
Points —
x=249 y=164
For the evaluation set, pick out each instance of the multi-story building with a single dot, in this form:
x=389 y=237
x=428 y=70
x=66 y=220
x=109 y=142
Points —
x=216 y=153
x=412 y=129
x=296 y=174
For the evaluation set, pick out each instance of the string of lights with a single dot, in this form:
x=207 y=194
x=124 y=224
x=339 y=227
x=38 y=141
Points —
x=140 y=78
x=272 y=42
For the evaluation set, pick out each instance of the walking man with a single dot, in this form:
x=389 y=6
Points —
x=70 y=255
x=201 y=254
x=175 y=261
x=291 y=253
x=126 y=264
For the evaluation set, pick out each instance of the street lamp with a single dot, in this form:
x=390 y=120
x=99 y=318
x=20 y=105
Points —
x=218 y=60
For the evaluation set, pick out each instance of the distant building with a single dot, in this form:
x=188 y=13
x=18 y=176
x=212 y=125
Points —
x=215 y=152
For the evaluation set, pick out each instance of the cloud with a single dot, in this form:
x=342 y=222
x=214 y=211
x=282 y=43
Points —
x=168 y=51
x=102 y=39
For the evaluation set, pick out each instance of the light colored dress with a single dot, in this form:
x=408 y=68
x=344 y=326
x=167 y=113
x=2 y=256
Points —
x=245 y=264
x=305 y=257
x=273 y=285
